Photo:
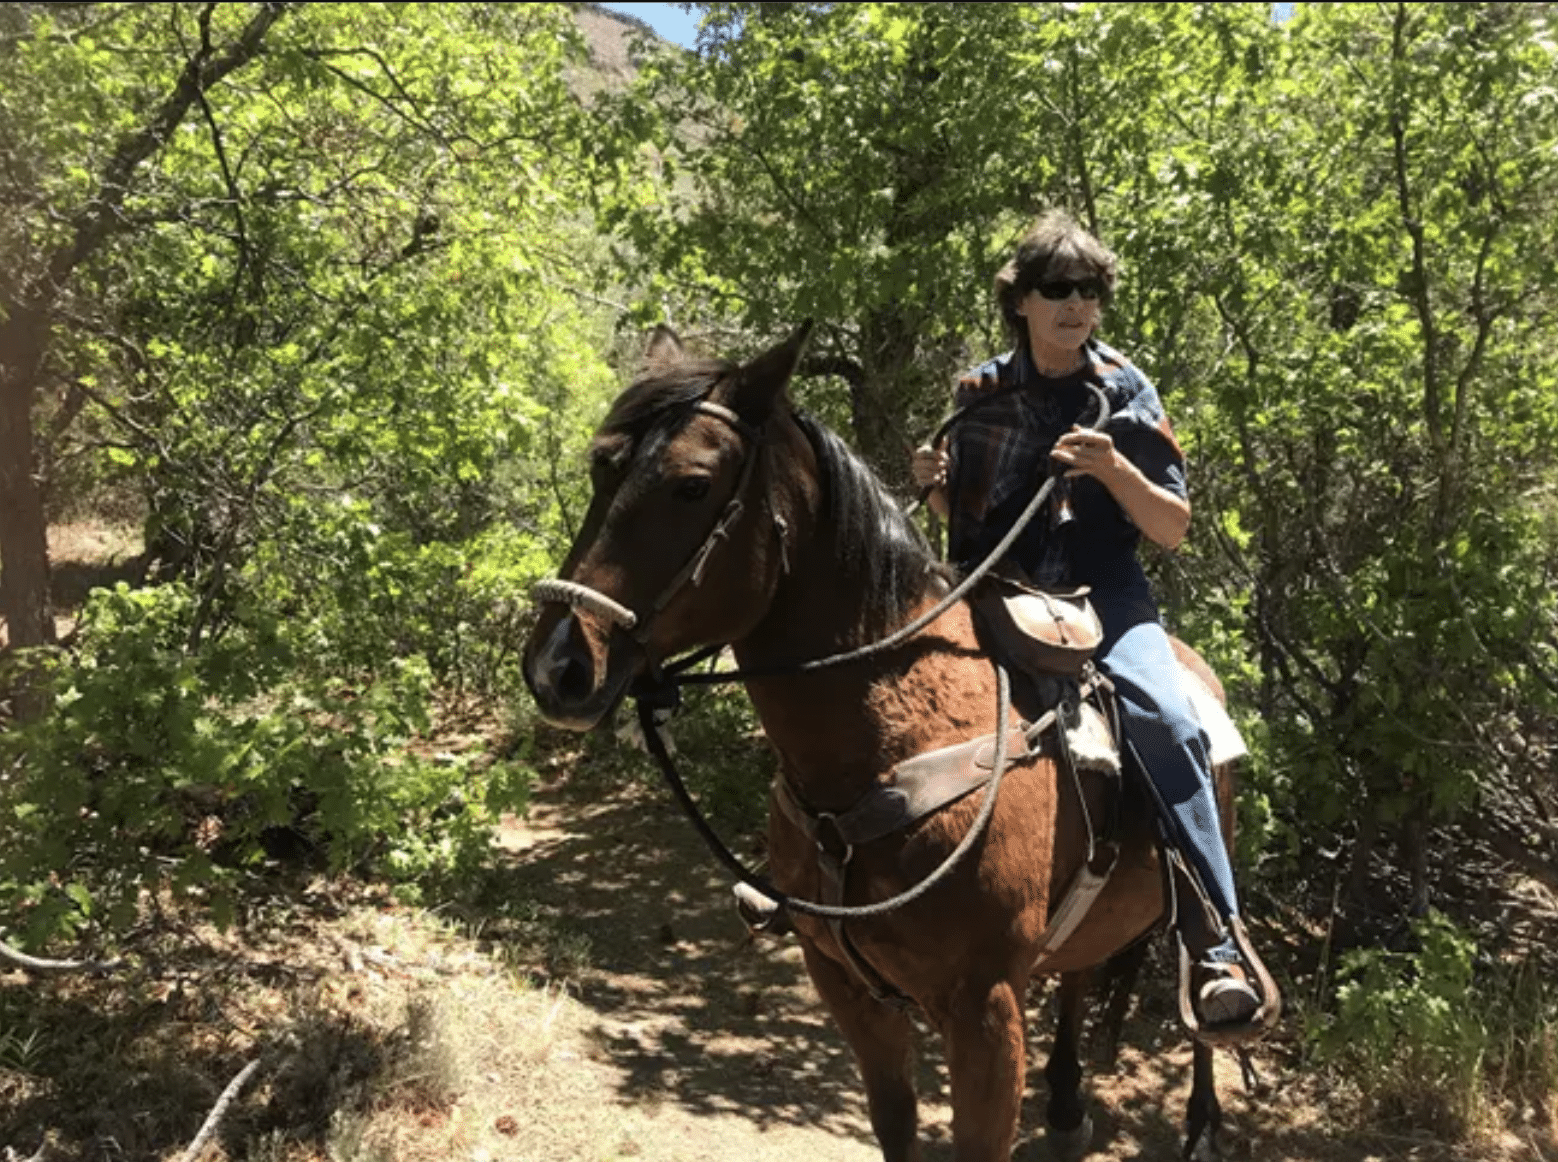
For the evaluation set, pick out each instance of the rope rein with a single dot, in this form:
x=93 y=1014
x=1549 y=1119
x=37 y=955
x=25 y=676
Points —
x=861 y=911
x=661 y=687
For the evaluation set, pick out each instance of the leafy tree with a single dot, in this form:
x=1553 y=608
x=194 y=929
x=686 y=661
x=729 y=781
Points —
x=327 y=326
x=1333 y=232
x=77 y=208
x=856 y=163
x=1380 y=281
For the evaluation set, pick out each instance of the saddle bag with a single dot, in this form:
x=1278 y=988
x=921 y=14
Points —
x=1040 y=631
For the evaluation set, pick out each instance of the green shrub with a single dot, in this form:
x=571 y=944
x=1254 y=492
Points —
x=724 y=756
x=363 y=595
x=158 y=768
x=1409 y=1028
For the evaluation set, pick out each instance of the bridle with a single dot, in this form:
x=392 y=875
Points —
x=575 y=595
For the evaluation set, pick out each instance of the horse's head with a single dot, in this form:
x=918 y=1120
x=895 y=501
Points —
x=684 y=540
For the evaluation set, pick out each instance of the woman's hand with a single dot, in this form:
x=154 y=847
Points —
x=1161 y=516
x=1087 y=453
x=929 y=467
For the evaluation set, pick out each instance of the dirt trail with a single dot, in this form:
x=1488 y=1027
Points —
x=697 y=1042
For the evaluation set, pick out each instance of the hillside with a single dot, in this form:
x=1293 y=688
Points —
x=610 y=36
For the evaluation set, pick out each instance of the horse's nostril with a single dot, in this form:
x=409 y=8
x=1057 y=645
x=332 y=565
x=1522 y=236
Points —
x=572 y=681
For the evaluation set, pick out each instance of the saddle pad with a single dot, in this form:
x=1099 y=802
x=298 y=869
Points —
x=1227 y=743
x=1092 y=746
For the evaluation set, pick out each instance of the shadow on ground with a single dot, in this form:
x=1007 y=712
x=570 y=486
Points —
x=694 y=1012
x=71 y=581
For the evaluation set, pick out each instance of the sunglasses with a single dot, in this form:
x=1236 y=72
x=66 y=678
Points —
x=1058 y=289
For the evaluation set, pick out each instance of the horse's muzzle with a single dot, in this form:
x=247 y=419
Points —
x=576 y=683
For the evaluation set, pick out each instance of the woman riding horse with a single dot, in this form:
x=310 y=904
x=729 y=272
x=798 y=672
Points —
x=1125 y=482
x=722 y=515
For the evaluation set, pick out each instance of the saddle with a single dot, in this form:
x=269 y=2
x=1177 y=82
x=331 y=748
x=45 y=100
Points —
x=1044 y=633
x=1047 y=634
x=1037 y=633
x=1050 y=638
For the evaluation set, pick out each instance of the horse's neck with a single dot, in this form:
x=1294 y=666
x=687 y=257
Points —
x=839 y=731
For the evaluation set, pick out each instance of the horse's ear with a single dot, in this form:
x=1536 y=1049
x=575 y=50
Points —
x=663 y=348
x=760 y=383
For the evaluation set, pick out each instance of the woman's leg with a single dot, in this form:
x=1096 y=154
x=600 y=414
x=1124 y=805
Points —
x=1161 y=724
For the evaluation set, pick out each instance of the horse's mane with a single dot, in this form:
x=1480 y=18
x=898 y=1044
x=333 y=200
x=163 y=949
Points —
x=880 y=553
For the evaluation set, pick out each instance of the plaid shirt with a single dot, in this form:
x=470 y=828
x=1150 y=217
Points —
x=1000 y=456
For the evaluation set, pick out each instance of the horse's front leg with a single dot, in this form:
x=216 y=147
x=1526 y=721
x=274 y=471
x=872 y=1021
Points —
x=883 y=1043
x=984 y=1034
x=1204 y=1115
x=1070 y=1129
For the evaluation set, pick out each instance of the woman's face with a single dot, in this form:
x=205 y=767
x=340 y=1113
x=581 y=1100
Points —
x=1057 y=328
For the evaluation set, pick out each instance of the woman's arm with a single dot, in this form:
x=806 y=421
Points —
x=1162 y=517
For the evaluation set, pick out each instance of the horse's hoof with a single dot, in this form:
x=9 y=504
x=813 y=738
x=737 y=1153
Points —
x=1070 y=1145
x=1203 y=1148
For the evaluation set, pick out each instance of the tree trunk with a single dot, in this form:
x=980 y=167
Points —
x=1414 y=850
x=24 y=546
x=883 y=396
x=1362 y=852
x=878 y=441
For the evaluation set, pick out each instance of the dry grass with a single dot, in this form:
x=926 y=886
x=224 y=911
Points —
x=383 y=1033
x=82 y=556
x=93 y=542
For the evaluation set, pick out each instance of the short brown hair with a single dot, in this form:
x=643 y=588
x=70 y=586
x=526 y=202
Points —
x=1054 y=241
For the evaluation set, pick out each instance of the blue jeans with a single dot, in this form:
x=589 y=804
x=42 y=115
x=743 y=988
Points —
x=1158 y=719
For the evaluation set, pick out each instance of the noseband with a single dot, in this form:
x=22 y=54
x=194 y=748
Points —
x=578 y=596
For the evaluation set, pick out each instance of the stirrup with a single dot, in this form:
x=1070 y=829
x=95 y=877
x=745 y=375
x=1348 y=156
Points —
x=759 y=913
x=1260 y=1023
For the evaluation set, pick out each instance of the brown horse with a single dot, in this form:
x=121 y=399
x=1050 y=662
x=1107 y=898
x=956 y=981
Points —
x=722 y=516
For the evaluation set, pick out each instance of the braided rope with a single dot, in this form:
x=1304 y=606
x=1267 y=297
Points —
x=846 y=912
x=583 y=597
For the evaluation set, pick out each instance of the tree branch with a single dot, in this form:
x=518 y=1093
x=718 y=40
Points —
x=146 y=437
x=414 y=118
x=70 y=35
x=36 y=964
x=785 y=194
x=847 y=369
x=103 y=215
x=1283 y=650
x=43 y=1152
x=1418 y=293
x=219 y=1111
x=230 y=180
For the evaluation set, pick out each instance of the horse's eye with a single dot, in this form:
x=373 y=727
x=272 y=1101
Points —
x=693 y=488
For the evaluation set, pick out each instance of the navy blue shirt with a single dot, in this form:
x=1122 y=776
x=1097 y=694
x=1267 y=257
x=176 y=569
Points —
x=1000 y=455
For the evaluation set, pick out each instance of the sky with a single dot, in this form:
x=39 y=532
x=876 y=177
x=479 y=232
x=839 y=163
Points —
x=682 y=27
x=668 y=20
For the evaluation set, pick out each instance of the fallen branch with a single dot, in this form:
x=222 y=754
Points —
x=218 y=1111
x=1511 y=847
x=35 y=964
